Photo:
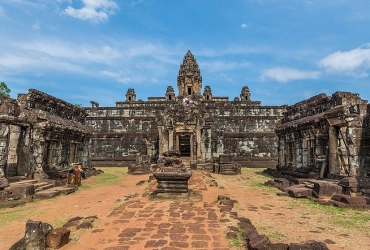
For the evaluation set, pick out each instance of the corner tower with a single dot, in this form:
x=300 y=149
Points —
x=189 y=80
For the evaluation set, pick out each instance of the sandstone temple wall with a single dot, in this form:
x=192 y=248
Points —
x=326 y=136
x=37 y=131
x=235 y=128
x=200 y=126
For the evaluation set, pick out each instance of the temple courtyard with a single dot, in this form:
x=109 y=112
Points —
x=125 y=216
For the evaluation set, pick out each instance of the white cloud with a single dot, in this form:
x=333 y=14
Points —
x=244 y=26
x=94 y=10
x=288 y=74
x=36 y=26
x=223 y=65
x=137 y=2
x=225 y=77
x=2 y=13
x=353 y=62
x=117 y=76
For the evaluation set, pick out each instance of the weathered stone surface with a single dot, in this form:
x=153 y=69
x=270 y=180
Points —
x=58 y=237
x=347 y=199
x=279 y=246
x=40 y=131
x=355 y=182
x=325 y=189
x=34 y=237
x=308 y=246
x=23 y=190
x=261 y=242
x=191 y=122
x=46 y=194
x=172 y=182
x=325 y=136
x=299 y=192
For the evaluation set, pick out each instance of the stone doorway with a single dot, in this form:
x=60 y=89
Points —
x=185 y=145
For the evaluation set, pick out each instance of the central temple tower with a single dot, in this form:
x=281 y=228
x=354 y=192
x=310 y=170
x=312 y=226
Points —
x=189 y=80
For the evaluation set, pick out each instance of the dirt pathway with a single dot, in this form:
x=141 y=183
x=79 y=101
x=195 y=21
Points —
x=143 y=223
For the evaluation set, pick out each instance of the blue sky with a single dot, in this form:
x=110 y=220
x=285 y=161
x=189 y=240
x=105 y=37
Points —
x=284 y=50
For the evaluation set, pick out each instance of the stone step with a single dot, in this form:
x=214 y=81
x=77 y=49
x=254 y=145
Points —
x=23 y=182
x=20 y=179
x=43 y=186
x=63 y=190
x=46 y=194
x=138 y=172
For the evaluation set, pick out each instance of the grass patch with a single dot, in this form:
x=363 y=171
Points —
x=236 y=242
x=111 y=176
x=16 y=214
x=275 y=236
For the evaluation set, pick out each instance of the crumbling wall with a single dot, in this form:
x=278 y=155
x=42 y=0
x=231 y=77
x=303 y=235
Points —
x=326 y=135
x=39 y=130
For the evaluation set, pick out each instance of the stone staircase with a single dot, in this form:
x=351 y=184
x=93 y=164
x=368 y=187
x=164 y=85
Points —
x=186 y=162
x=45 y=189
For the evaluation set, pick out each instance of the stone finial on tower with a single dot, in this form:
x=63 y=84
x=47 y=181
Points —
x=130 y=96
x=207 y=94
x=170 y=94
x=245 y=95
x=189 y=80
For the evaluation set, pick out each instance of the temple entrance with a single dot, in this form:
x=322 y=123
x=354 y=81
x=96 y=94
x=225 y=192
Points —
x=184 y=145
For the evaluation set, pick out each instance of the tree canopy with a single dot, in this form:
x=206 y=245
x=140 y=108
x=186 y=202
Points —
x=4 y=90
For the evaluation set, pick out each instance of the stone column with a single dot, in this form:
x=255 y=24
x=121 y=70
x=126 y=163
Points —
x=38 y=150
x=198 y=144
x=3 y=154
x=170 y=139
x=334 y=168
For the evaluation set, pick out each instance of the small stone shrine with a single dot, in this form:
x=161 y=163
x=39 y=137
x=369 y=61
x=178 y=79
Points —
x=142 y=165
x=171 y=175
x=226 y=166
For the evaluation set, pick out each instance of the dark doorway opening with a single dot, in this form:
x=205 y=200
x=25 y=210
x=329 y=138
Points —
x=185 y=145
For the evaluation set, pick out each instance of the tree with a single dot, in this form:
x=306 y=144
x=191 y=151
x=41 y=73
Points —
x=4 y=90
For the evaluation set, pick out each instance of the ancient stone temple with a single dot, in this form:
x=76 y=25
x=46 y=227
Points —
x=326 y=136
x=201 y=126
x=37 y=131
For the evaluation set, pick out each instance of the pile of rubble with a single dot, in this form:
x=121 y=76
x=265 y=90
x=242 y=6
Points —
x=349 y=192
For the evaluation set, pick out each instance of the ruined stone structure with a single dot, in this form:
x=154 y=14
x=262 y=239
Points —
x=226 y=166
x=199 y=125
x=38 y=130
x=326 y=136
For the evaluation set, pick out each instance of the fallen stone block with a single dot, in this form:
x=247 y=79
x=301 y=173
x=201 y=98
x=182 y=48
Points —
x=281 y=183
x=355 y=182
x=63 y=190
x=58 y=237
x=347 y=199
x=261 y=242
x=46 y=194
x=300 y=192
x=325 y=189
x=23 y=189
x=308 y=246
x=279 y=246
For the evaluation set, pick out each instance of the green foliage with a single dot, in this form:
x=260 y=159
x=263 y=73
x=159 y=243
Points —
x=4 y=90
x=78 y=105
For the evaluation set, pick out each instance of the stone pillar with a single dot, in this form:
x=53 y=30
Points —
x=4 y=130
x=198 y=144
x=170 y=140
x=177 y=142
x=334 y=168
x=14 y=134
x=39 y=149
